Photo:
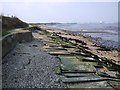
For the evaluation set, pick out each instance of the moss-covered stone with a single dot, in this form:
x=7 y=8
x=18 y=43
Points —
x=57 y=70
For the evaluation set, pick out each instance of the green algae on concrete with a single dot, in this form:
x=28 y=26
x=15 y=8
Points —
x=68 y=45
x=67 y=60
x=59 y=52
x=80 y=57
x=57 y=70
x=78 y=74
x=82 y=79
x=75 y=59
x=72 y=50
x=89 y=59
x=95 y=85
x=72 y=64
x=77 y=68
x=114 y=84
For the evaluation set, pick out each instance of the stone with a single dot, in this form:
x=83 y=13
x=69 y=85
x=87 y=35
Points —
x=34 y=45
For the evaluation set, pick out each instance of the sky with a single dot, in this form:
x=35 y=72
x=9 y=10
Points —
x=62 y=11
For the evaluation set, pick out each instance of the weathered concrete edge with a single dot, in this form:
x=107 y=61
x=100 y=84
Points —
x=9 y=41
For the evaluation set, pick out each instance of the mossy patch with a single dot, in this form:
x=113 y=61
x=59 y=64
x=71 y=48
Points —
x=87 y=85
x=59 y=52
x=83 y=79
x=57 y=70
x=77 y=68
x=5 y=33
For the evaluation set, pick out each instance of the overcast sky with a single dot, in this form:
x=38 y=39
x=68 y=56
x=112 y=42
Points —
x=35 y=11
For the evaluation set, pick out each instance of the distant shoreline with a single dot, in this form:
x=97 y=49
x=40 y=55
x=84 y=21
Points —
x=105 y=43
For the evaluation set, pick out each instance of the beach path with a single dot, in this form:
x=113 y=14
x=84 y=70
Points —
x=28 y=66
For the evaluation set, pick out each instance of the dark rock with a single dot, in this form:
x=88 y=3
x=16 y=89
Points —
x=35 y=46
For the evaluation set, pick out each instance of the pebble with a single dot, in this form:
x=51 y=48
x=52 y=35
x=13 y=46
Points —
x=38 y=73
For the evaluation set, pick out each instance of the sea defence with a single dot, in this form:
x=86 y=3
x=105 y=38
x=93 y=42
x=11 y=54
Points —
x=10 y=40
x=79 y=62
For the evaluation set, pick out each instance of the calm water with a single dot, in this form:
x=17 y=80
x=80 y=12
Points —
x=107 y=34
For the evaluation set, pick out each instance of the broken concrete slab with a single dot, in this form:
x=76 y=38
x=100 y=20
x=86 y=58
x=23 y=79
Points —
x=72 y=64
x=72 y=50
x=114 y=84
x=78 y=74
x=108 y=74
x=82 y=79
x=84 y=54
x=95 y=85
x=77 y=68
x=59 y=53
x=54 y=48
x=67 y=60
x=68 y=46
x=89 y=59
x=52 y=45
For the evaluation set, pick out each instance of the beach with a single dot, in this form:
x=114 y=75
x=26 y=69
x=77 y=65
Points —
x=105 y=34
x=60 y=45
x=93 y=47
x=29 y=66
x=57 y=58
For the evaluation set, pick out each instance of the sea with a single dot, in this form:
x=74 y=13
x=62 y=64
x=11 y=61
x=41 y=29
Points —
x=105 y=34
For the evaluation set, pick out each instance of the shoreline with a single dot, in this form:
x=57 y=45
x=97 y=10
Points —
x=104 y=43
x=56 y=58
x=98 y=40
x=97 y=49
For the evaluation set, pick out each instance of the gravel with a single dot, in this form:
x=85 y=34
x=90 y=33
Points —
x=28 y=66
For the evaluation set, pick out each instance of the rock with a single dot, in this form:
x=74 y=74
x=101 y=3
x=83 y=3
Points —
x=34 y=45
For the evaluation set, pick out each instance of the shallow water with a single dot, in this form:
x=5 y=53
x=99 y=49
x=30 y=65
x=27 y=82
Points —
x=106 y=32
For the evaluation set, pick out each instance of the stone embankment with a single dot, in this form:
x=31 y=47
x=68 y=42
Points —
x=29 y=66
x=10 y=40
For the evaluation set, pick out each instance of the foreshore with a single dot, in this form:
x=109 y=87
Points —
x=104 y=43
x=82 y=61
x=58 y=58
x=95 y=48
